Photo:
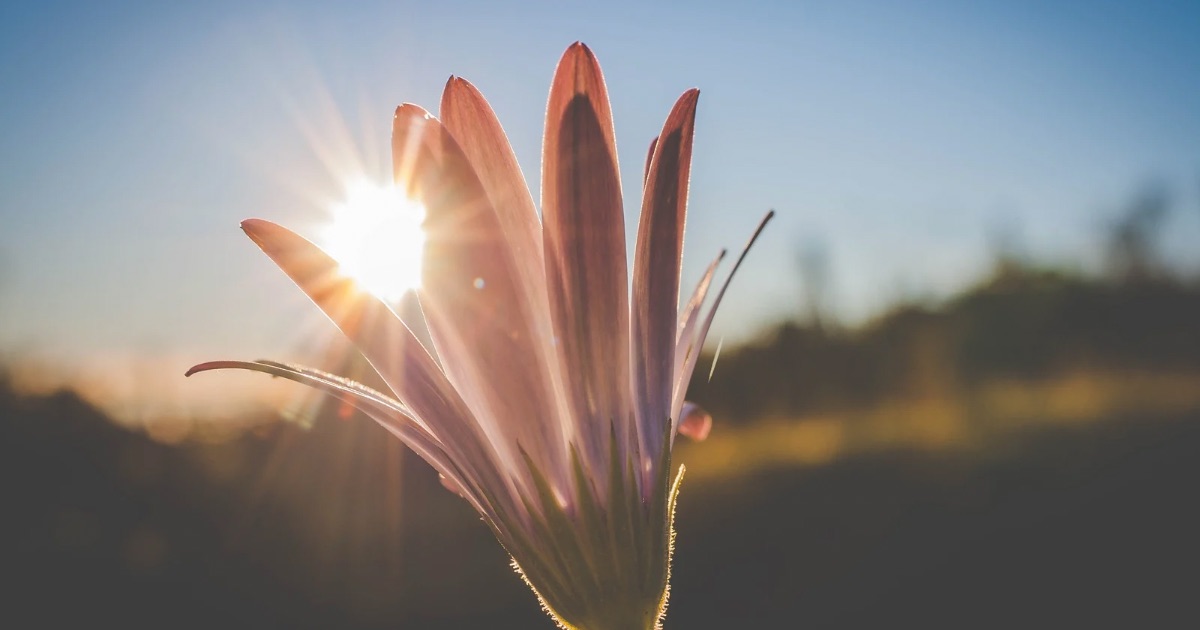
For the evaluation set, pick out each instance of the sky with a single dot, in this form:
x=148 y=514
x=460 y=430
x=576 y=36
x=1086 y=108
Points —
x=899 y=138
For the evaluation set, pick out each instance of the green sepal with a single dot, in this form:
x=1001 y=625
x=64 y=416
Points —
x=604 y=564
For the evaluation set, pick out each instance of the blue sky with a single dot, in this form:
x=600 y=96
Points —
x=135 y=136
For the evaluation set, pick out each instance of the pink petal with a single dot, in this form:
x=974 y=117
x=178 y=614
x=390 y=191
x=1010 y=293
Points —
x=685 y=337
x=468 y=117
x=649 y=159
x=689 y=363
x=656 y=272
x=696 y=423
x=482 y=323
x=384 y=340
x=388 y=413
x=584 y=237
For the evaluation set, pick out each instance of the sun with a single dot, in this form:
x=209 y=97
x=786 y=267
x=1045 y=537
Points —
x=375 y=236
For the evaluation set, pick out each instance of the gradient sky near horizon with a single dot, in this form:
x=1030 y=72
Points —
x=901 y=137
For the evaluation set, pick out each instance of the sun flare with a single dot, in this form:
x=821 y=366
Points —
x=375 y=235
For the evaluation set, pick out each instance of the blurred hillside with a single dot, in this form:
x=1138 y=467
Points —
x=1022 y=325
x=1026 y=325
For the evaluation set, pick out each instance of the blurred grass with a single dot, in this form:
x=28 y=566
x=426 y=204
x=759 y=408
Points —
x=1057 y=526
x=981 y=419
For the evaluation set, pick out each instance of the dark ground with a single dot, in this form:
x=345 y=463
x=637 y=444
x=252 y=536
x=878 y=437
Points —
x=1091 y=526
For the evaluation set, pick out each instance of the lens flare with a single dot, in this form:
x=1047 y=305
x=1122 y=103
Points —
x=375 y=236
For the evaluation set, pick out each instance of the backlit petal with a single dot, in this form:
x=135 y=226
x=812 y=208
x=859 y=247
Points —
x=465 y=113
x=656 y=272
x=649 y=158
x=388 y=413
x=584 y=236
x=689 y=364
x=479 y=318
x=384 y=340
x=685 y=338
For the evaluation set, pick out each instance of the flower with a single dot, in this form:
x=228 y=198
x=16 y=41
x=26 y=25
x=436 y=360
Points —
x=555 y=404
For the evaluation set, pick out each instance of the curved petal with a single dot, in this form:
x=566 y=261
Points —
x=388 y=413
x=468 y=117
x=584 y=238
x=656 y=272
x=689 y=363
x=685 y=336
x=465 y=113
x=649 y=158
x=481 y=323
x=388 y=345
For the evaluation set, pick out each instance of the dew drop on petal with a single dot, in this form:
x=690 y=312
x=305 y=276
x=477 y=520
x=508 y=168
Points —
x=478 y=283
